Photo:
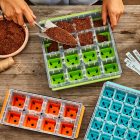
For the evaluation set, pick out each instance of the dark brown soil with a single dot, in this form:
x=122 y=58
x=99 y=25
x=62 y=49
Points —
x=12 y=37
x=61 y=35
x=65 y=47
x=102 y=38
x=86 y=38
x=66 y=26
x=82 y=23
x=53 y=47
x=98 y=23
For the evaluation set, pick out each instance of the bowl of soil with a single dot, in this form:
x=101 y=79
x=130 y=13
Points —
x=13 y=38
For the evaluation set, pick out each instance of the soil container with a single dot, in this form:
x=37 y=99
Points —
x=13 y=38
x=98 y=23
x=86 y=38
x=82 y=23
x=66 y=26
x=61 y=35
x=102 y=38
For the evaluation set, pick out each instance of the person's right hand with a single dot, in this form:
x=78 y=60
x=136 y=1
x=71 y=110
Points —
x=16 y=9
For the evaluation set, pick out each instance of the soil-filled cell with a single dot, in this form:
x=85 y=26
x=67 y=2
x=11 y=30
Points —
x=86 y=38
x=103 y=37
x=98 y=23
x=66 y=47
x=82 y=23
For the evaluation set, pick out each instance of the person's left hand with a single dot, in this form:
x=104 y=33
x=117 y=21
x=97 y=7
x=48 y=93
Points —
x=113 y=8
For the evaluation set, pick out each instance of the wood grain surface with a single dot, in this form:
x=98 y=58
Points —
x=28 y=73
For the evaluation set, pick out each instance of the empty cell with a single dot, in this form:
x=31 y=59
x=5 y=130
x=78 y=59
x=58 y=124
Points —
x=137 y=113
x=92 y=135
x=120 y=95
x=48 y=125
x=72 y=60
x=139 y=102
x=70 y=111
x=123 y=121
x=130 y=99
x=108 y=128
x=66 y=128
x=111 y=68
x=53 y=107
x=116 y=107
x=54 y=63
x=105 y=137
x=107 y=53
x=75 y=75
x=127 y=110
x=86 y=38
x=131 y=135
x=57 y=78
x=116 y=138
x=101 y=113
x=89 y=56
x=105 y=103
x=108 y=92
x=35 y=104
x=135 y=124
x=112 y=117
x=120 y=132
x=97 y=124
x=13 y=117
x=93 y=71
x=103 y=37
x=18 y=100
x=31 y=121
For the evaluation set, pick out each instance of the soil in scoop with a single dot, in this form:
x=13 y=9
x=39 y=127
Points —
x=82 y=23
x=12 y=37
x=102 y=38
x=60 y=35
x=98 y=23
x=86 y=38
x=66 y=26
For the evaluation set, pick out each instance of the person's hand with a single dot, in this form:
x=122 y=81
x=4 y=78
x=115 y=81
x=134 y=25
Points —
x=113 y=8
x=16 y=9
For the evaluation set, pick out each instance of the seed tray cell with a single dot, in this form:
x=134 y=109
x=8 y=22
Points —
x=42 y=114
x=95 y=56
x=116 y=115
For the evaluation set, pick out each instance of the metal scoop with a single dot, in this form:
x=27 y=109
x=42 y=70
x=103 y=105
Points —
x=51 y=27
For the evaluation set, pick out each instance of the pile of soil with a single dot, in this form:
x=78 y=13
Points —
x=53 y=47
x=66 y=26
x=98 y=23
x=82 y=23
x=12 y=37
x=102 y=38
x=61 y=35
x=86 y=38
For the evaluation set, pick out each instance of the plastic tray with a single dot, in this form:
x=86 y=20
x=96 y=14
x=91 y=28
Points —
x=94 y=59
x=42 y=114
x=116 y=115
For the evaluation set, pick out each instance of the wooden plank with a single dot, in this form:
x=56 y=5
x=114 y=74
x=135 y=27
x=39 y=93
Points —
x=29 y=72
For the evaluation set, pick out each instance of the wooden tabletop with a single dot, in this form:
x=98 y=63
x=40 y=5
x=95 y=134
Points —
x=29 y=74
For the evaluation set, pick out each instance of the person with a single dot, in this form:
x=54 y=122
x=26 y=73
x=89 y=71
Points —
x=16 y=9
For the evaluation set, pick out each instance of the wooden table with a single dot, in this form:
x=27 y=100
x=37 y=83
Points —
x=29 y=74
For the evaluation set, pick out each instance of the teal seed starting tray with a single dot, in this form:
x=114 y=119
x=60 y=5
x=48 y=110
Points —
x=94 y=59
x=116 y=115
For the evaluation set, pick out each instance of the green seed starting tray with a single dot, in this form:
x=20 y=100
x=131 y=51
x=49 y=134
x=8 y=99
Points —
x=94 y=59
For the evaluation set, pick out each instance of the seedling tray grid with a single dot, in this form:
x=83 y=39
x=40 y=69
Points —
x=42 y=114
x=94 y=59
x=116 y=115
